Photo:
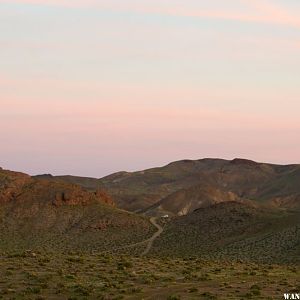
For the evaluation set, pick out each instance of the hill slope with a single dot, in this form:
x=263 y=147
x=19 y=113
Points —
x=233 y=230
x=182 y=186
x=37 y=213
x=59 y=216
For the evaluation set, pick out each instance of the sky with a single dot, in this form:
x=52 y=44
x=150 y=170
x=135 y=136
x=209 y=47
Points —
x=91 y=87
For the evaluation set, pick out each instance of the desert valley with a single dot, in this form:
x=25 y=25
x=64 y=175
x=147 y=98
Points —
x=149 y=149
x=193 y=229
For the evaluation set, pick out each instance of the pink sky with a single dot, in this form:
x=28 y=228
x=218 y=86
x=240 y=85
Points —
x=265 y=11
x=93 y=87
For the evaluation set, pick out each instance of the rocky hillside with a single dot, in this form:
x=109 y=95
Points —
x=233 y=230
x=183 y=186
x=228 y=210
x=37 y=213
x=21 y=187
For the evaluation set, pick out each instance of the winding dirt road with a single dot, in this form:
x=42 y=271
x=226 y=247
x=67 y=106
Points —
x=149 y=241
x=155 y=236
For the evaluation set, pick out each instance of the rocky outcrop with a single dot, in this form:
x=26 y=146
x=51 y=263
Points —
x=54 y=215
x=12 y=184
x=21 y=187
x=102 y=196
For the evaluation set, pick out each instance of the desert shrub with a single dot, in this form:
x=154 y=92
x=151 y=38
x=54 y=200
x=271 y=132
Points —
x=75 y=259
x=125 y=264
x=209 y=295
x=32 y=290
x=255 y=287
x=193 y=290
x=81 y=290
x=174 y=297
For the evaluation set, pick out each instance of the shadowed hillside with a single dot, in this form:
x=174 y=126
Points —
x=183 y=186
x=37 y=213
x=235 y=231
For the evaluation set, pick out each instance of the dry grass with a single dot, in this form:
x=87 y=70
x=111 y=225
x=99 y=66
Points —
x=80 y=276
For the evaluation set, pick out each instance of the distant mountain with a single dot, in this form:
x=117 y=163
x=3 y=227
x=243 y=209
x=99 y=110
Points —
x=56 y=215
x=183 y=186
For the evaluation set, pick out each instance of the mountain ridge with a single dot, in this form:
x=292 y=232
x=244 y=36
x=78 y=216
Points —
x=159 y=190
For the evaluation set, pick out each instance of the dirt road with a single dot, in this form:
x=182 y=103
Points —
x=155 y=236
x=149 y=241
